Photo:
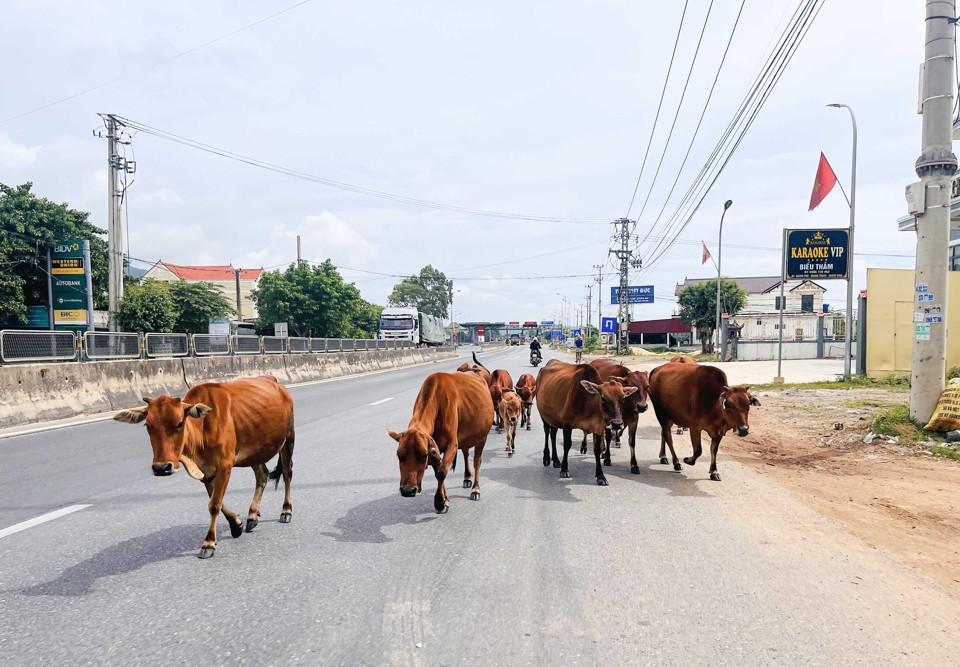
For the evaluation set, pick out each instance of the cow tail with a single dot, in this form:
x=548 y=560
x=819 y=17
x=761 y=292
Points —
x=276 y=473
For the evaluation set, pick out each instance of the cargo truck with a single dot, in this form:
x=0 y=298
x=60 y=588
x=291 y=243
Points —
x=409 y=324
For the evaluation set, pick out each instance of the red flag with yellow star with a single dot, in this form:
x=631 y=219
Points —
x=823 y=184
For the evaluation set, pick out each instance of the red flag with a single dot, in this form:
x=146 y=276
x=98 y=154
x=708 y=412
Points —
x=706 y=254
x=823 y=184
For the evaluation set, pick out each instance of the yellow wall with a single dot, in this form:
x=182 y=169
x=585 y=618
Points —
x=890 y=307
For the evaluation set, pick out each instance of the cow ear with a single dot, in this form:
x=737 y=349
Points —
x=394 y=435
x=619 y=380
x=197 y=410
x=433 y=451
x=627 y=391
x=590 y=387
x=145 y=400
x=754 y=401
x=131 y=416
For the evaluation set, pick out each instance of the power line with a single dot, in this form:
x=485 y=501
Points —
x=154 y=65
x=341 y=185
x=656 y=118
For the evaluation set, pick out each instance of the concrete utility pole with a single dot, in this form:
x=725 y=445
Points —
x=726 y=205
x=599 y=279
x=589 y=306
x=114 y=228
x=936 y=166
x=236 y=274
x=621 y=233
x=299 y=260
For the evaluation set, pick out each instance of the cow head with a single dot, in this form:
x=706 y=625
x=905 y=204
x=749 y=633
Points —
x=526 y=394
x=735 y=405
x=166 y=420
x=641 y=381
x=611 y=394
x=510 y=407
x=415 y=449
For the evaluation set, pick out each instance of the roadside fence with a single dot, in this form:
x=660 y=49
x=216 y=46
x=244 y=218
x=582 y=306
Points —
x=38 y=345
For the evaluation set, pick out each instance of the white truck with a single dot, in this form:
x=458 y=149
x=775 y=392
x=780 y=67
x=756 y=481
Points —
x=412 y=325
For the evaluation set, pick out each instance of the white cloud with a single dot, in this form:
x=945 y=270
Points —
x=13 y=155
x=163 y=196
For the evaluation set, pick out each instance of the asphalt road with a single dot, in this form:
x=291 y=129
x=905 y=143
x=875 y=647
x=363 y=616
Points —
x=657 y=568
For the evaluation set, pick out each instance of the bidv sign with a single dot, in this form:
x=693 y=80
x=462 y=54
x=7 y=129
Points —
x=635 y=294
x=812 y=254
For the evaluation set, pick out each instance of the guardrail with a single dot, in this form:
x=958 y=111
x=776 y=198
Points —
x=35 y=345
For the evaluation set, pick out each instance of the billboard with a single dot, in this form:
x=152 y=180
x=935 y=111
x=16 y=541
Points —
x=635 y=294
x=71 y=302
x=816 y=254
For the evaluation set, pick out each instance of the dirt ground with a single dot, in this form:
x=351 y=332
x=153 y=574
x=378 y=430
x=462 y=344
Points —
x=898 y=498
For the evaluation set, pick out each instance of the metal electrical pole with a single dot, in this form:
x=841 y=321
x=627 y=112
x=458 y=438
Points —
x=589 y=309
x=599 y=279
x=625 y=255
x=114 y=228
x=726 y=205
x=936 y=166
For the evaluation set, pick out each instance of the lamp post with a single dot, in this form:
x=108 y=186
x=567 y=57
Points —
x=726 y=205
x=454 y=334
x=853 y=213
x=563 y=304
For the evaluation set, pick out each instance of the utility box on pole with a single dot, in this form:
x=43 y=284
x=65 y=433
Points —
x=936 y=166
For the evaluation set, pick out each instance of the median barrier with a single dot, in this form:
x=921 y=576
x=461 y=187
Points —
x=32 y=393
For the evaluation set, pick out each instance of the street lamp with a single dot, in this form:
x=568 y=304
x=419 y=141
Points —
x=454 y=334
x=563 y=304
x=726 y=205
x=853 y=213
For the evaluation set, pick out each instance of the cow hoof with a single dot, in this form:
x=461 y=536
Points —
x=616 y=445
x=468 y=483
x=689 y=461
x=236 y=531
x=510 y=455
x=206 y=552
x=635 y=470
x=475 y=495
x=443 y=509
x=251 y=524
x=602 y=481
x=556 y=464
x=583 y=450
x=564 y=474
x=607 y=463
x=528 y=427
x=715 y=476
x=286 y=517
x=546 y=463
x=677 y=467
x=663 y=460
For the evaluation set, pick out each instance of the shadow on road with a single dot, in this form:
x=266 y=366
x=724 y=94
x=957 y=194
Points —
x=365 y=522
x=127 y=556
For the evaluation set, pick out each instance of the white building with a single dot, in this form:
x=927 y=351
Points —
x=224 y=277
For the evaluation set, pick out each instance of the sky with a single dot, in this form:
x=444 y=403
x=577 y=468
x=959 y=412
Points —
x=538 y=108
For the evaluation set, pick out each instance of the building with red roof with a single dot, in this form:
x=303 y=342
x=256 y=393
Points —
x=235 y=283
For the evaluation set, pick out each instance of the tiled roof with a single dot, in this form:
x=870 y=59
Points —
x=216 y=273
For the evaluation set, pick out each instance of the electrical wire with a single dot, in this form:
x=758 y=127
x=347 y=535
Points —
x=349 y=187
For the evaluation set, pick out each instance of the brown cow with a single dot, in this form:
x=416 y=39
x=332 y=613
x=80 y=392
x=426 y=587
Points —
x=526 y=390
x=477 y=370
x=216 y=427
x=499 y=381
x=682 y=359
x=510 y=408
x=632 y=406
x=452 y=411
x=573 y=396
x=699 y=398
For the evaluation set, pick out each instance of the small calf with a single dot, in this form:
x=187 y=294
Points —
x=510 y=409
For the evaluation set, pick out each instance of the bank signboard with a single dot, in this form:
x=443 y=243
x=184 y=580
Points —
x=816 y=254
x=70 y=285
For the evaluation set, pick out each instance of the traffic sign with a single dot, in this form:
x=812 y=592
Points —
x=635 y=294
x=608 y=325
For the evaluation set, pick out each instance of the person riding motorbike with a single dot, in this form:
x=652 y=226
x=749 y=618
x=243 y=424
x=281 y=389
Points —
x=535 y=350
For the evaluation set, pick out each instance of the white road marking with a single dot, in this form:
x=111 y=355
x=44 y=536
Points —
x=381 y=401
x=43 y=518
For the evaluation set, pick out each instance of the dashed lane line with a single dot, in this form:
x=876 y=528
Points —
x=381 y=401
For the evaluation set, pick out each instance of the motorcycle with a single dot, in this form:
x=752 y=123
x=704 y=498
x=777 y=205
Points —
x=535 y=358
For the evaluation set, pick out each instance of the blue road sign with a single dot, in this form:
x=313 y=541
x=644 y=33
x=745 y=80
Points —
x=635 y=294
x=546 y=323
x=608 y=325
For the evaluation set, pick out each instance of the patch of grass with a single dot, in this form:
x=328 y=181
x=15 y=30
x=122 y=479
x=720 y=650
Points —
x=866 y=403
x=953 y=373
x=893 y=382
x=896 y=421
x=946 y=452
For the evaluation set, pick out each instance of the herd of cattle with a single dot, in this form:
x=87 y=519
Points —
x=216 y=427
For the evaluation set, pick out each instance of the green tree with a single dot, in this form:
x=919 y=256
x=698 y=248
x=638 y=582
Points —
x=698 y=307
x=196 y=303
x=429 y=292
x=313 y=301
x=146 y=307
x=27 y=225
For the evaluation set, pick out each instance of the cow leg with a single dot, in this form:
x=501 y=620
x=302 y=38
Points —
x=286 y=463
x=546 y=444
x=666 y=437
x=697 y=449
x=233 y=519
x=529 y=419
x=567 y=443
x=467 y=473
x=477 y=460
x=553 y=443
x=253 y=515
x=598 y=439
x=583 y=445
x=714 y=448
x=441 y=502
x=616 y=438
x=496 y=417
x=634 y=468
x=607 y=438
x=216 y=490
